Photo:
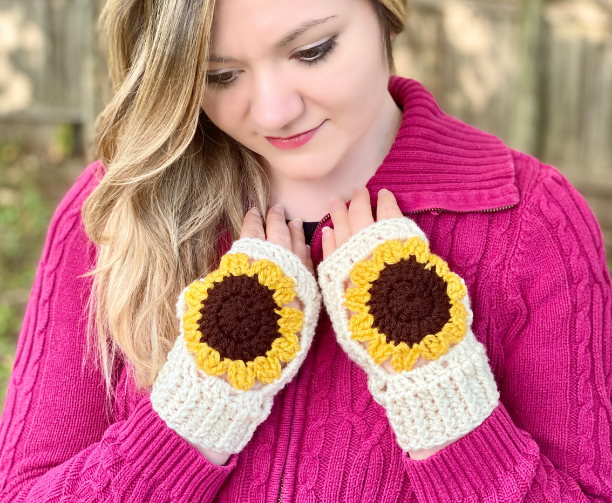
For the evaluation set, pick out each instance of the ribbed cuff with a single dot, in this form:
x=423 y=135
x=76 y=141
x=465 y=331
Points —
x=156 y=454
x=492 y=463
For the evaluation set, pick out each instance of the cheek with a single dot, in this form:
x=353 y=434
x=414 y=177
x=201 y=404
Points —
x=224 y=110
x=352 y=90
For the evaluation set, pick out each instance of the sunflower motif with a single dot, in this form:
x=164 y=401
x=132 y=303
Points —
x=407 y=304
x=235 y=321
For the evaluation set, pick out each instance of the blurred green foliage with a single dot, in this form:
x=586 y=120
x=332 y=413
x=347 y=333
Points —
x=24 y=216
x=30 y=186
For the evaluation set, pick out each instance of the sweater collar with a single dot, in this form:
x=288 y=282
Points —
x=438 y=162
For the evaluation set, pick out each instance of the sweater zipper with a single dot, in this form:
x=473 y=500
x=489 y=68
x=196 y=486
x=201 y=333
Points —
x=490 y=210
x=282 y=482
x=319 y=225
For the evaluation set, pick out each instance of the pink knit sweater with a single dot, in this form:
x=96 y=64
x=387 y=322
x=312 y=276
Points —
x=531 y=254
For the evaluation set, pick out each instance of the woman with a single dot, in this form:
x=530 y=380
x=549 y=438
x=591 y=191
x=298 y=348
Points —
x=389 y=395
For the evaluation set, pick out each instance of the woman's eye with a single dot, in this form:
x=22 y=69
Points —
x=316 y=54
x=222 y=79
x=310 y=56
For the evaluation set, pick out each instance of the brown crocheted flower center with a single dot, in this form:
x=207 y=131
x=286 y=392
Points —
x=409 y=302
x=238 y=318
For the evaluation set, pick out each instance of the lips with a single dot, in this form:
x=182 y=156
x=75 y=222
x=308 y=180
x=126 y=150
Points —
x=292 y=142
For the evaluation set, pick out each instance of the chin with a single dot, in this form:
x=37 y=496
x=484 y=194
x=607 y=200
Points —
x=309 y=164
x=303 y=168
x=302 y=172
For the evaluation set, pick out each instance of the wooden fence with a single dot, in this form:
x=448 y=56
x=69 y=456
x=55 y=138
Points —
x=536 y=73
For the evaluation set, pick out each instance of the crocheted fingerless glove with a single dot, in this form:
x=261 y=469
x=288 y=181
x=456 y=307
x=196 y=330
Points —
x=236 y=321
x=406 y=303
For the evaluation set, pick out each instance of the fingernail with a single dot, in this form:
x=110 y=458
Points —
x=297 y=223
x=334 y=204
x=279 y=209
x=256 y=211
x=383 y=191
x=357 y=189
x=326 y=232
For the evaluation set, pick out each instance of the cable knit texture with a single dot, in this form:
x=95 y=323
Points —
x=208 y=410
x=429 y=405
x=532 y=257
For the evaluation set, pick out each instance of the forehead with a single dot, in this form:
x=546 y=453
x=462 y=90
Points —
x=267 y=21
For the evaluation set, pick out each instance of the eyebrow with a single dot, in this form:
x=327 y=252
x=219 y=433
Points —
x=290 y=37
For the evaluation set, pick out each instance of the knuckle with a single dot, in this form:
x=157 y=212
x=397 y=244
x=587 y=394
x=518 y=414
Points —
x=386 y=212
x=252 y=231
x=279 y=235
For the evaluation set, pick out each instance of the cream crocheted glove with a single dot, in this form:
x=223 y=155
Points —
x=406 y=303
x=237 y=321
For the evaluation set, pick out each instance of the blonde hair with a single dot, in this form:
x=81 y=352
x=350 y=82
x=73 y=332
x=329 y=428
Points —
x=174 y=185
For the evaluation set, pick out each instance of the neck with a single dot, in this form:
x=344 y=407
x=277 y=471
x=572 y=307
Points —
x=308 y=200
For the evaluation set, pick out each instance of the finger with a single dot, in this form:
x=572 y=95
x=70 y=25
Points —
x=252 y=226
x=387 y=206
x=360 y=211
x=298 y=241
x=329 y=242
x=339 y=215
x=277 y=231
x=309 y=263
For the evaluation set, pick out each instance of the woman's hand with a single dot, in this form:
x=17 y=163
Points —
x=348 y=222
x=256 y=360
x=289 y=236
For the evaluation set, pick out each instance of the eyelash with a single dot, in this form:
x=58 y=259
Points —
x=322 y=51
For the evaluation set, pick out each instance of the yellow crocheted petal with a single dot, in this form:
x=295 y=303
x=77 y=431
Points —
x=455 y=289
x=266 y=369
x=191 y=318
x=456 y=328
x=236 y=264
x=389 y=252
x=434 y=346
x=356 y=298
x=404 y=357
x=199 y=350
x=240 y=375
x=194 y=299
x=284 y=348
x=379 y=350
x=365 y=334
x=417 y=247
x=441 y=267
x=360 y=322
x=291 y=320
x=364 y=272
x=196 y=293
x=191 y=331
x=268 y=273
x=284 y=291
x=212 y=364
x=214 y=277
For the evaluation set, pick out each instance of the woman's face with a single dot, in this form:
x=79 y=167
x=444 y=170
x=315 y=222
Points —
x=281 y=68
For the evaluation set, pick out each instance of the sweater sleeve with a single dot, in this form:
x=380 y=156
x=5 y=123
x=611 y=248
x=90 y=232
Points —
x=58 y=440
x=549 y=439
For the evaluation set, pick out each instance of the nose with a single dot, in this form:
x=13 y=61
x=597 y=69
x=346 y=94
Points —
x=275 y=102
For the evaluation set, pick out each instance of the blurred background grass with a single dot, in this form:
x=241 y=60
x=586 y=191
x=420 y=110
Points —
x=31 y=185
x=536 y=73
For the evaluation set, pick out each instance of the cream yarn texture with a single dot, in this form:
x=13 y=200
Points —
x=429 y=405
x=207 y=410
